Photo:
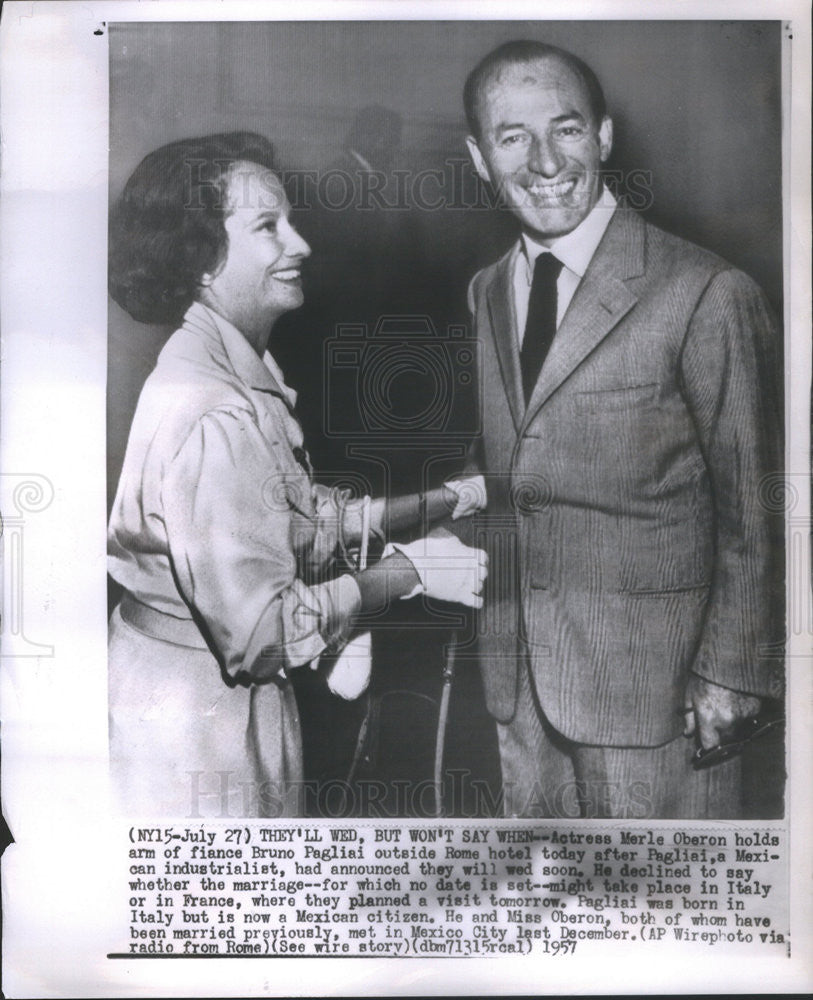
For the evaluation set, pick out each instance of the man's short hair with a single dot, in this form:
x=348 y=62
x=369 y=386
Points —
x=521 y=53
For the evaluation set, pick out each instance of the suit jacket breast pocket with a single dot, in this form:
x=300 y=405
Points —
x=649 y=478
x=615 y=439
x=613 y=400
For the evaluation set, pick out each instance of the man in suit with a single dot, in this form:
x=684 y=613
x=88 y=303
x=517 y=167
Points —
x=631 y=410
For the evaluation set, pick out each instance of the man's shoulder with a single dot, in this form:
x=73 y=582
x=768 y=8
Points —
x=696 y=271
x=664 y=247
x=663 y=256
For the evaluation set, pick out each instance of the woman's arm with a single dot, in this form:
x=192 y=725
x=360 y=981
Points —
x=389 y=579
x=415 y=510
x=228 y=525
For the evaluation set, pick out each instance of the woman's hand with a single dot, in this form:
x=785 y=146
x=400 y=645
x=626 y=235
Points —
x=448 y=570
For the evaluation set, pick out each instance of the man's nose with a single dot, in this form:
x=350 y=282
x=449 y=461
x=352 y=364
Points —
x=545 y=158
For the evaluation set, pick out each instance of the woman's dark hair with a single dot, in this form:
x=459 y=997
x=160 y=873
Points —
x=167 y=227
x=520 y=53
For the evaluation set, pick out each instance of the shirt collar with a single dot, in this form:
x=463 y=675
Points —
x=576 y=248
x=264 y=375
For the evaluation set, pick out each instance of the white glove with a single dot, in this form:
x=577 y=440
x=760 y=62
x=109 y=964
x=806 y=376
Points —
x=448 y=570
x=471 y=495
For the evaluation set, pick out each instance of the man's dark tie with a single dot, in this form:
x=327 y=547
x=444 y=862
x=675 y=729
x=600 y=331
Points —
x=540 y=327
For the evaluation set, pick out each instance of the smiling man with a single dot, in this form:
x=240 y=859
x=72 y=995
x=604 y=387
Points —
x=631 y=409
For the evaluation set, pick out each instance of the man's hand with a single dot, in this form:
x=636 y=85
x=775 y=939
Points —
x=470 y=493
x=712 y=710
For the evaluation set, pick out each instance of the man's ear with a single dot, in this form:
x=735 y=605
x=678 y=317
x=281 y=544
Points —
x=605 y=138
x=477 y=159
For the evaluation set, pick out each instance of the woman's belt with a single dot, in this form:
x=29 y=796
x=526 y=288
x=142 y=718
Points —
x=168 y=628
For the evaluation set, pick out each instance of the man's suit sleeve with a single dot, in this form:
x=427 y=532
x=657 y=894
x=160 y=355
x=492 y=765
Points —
x=732 y=381
x=475 y=460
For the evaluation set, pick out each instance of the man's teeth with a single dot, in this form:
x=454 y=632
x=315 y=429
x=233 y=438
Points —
x=287 y=275
x=552 y=190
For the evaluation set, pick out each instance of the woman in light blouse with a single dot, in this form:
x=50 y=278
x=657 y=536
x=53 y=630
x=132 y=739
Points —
x=221 y=541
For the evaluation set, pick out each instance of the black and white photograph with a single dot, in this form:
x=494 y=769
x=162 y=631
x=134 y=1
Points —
x=600 y=496
x=405 y=492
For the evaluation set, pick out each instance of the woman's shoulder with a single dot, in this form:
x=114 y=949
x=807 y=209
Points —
x=191 y=383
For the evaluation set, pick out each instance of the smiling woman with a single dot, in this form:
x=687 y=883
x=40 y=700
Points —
x=260 y=278
x=167 y=228
x=224 y=546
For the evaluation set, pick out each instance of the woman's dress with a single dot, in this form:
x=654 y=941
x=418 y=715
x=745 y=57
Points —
x=222 y=544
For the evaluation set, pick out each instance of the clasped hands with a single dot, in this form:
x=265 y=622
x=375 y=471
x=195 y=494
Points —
x=447 y=569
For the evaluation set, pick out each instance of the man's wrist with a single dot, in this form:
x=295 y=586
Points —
x=693 y=674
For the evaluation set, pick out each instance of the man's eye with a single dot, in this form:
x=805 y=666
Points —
x=570 y=132
x=515 y=139
x=270 y=226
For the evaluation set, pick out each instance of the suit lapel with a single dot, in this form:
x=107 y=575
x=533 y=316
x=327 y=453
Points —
x=500 y=297
x=601 y=301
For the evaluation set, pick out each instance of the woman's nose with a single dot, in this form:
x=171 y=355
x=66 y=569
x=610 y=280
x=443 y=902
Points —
x=295 y=245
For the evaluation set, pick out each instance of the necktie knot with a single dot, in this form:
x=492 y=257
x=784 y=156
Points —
x=540 y=327
x=547 y=268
